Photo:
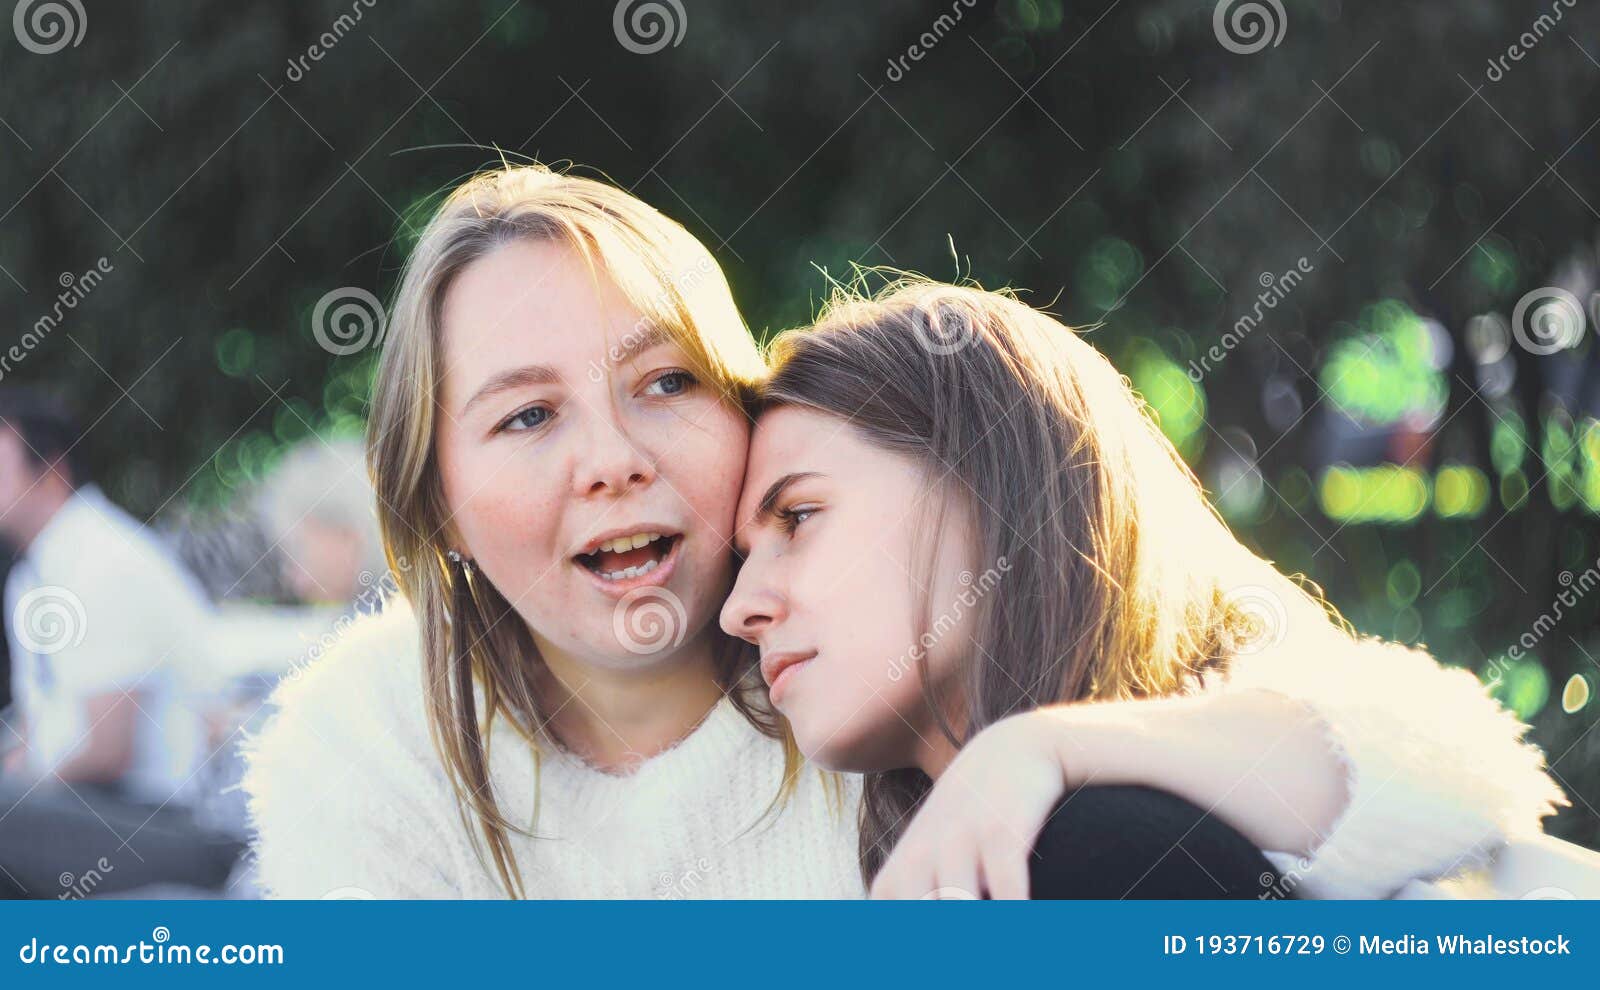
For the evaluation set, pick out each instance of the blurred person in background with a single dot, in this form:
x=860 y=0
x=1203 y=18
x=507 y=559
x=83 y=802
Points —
x=101 y=622
x=314 y=515
x=317 y=507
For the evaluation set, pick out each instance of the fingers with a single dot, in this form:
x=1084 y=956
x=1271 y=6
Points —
x=912 y=869
x=1005 y=871
x=957 y=878
x=946 y=867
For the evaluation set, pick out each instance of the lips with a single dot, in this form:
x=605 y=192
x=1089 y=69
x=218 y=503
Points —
x=631 y=557
x=777 y=669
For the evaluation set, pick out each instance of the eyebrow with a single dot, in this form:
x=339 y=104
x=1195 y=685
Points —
x=769 y=500
x=642 y=338
x=633 y=344
x=514 y=378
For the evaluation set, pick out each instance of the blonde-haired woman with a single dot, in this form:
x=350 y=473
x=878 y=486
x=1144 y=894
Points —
x=558 y=441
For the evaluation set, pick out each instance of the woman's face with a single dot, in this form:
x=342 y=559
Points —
x=831 y=589
x=588 y=473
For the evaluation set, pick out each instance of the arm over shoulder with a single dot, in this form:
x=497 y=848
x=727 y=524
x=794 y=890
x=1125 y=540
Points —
x=1438 y=773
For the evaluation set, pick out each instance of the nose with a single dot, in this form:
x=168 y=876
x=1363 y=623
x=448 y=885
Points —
x=754 y=607
x=612 y=463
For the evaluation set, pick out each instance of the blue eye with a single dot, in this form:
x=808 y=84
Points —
x=792 y=518
x=672 y=383
x=528 y=419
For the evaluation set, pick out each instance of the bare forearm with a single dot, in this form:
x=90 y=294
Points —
x=1256 y=759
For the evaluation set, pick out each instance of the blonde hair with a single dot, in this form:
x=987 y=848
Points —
x=1121 y=581
x=678 y=288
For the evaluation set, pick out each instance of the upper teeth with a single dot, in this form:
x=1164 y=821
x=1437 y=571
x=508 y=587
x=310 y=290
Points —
x=622 y=543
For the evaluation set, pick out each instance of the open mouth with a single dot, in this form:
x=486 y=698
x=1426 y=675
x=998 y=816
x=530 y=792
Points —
x=631 y=556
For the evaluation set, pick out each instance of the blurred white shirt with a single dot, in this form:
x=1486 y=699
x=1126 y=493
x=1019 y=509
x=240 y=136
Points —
x=98 y=604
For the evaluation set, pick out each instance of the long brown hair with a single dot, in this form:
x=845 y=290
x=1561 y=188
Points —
x=472 y=638
x=1120 y=580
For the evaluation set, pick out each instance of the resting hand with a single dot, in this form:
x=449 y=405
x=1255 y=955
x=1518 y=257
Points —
x=976 y=829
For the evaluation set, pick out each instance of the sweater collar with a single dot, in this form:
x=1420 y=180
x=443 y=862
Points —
x=708 y=748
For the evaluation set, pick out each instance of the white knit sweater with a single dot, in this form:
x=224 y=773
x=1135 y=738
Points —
x=349 y=798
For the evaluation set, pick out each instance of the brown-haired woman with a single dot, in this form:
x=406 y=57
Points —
x=959 y=522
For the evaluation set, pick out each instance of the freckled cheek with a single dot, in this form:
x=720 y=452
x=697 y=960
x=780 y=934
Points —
x=512 y=523
x=709 y=474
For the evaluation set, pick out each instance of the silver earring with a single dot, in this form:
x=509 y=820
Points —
x=454 y=556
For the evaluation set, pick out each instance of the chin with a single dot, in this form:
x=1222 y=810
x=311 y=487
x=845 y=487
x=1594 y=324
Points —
x=841 y=749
